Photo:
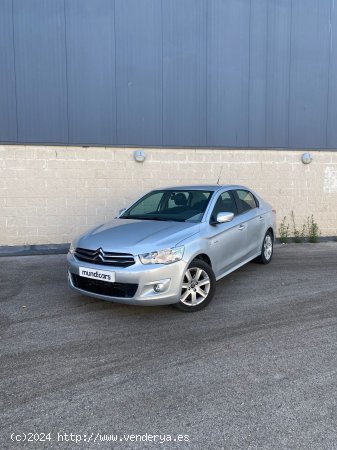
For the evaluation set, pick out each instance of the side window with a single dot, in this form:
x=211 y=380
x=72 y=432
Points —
x=246 y=200
x=225 y=203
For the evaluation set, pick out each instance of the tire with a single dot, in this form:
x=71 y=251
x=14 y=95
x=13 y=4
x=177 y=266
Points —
x=267 y=249
x=194 y=295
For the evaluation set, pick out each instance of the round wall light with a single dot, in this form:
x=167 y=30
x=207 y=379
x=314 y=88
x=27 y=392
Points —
x=139 y=155
x=306 y=158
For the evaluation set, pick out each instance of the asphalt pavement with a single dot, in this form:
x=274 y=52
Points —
x=257 y=369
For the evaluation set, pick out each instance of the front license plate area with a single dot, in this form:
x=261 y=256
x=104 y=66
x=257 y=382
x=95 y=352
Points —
x=99 y=275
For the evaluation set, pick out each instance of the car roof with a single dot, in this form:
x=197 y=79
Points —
x=204 y=187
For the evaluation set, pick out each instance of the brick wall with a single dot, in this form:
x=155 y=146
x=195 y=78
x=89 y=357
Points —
x=51 y=194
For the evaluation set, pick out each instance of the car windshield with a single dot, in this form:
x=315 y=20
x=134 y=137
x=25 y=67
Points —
x=171 y=205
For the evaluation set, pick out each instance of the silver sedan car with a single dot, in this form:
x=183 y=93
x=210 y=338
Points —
x=171 y=245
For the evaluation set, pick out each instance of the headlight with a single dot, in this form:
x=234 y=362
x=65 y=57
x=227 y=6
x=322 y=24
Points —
x=166 y=256
x=71 y=249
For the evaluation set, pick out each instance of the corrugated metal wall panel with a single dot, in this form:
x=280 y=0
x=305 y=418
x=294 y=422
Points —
x=228 y=72
x=91 y=71
x=332 y=97
x=139 y=72
x=40 y=60
x=310 y=42
x=8 y=124
x=258 y=73
x=278 y=70
x=184 y=72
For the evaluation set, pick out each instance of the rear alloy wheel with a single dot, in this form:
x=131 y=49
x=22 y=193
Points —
x=198 y=287
x=267 y=249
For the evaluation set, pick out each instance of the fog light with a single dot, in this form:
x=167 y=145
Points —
x=159 y=287
x=155 y=288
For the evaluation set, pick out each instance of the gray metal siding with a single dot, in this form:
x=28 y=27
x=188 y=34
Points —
x=278 y=71
x=332 y=97
x=195 y=73
x=309 y=73
x=40 y=62
x=90 y=41
x=227 y=74
x=258 y=73
x=139 y=72
x=8 y=123
x=184 y=73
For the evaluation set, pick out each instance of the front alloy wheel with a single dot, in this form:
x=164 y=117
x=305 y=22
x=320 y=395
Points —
x=197 y=288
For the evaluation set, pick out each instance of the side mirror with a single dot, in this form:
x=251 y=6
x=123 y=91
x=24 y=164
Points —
x=121 y=211
x=223 y=217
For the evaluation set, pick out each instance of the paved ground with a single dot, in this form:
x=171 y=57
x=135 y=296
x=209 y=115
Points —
x=257 y=369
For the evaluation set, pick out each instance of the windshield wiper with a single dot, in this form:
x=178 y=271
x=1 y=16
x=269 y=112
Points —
x=163 y=219
x=136 y=217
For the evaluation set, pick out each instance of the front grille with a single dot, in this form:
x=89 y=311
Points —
x=123 y=290
x=101 y=257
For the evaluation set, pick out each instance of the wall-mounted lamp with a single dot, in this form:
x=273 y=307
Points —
x=139 y=155
x=306 y=158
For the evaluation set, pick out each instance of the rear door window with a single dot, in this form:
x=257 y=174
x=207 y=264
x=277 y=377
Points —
x=246 y=200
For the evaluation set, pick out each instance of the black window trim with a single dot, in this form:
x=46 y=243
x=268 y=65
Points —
x=238 y=202
x=231 y=194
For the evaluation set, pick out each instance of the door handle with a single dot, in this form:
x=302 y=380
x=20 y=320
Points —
x=261 y=218
x=241 y=227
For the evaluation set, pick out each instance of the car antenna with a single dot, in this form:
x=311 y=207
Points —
x=219 y=175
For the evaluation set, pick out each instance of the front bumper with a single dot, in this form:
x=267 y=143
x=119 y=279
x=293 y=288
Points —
x=142 y=275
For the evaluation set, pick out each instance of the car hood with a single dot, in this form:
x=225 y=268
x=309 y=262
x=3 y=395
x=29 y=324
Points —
x=136 y=236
